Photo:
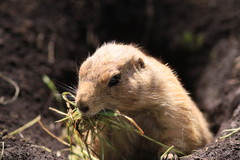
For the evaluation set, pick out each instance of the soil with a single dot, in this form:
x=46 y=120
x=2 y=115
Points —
x=219 y=99
x=200 y=40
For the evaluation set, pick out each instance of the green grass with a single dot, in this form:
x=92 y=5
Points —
x=51 y=85
x=83 y=131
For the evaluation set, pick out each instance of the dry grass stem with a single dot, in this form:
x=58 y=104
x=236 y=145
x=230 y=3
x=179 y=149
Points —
x=51 y=134
x=51 y=48
x=42 y=147
x=27 y=125
x=17 y=90
x=232 y=131
x=2 y=152
x=59 y=112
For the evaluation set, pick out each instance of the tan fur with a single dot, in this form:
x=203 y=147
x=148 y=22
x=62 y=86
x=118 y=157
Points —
x=150 y=94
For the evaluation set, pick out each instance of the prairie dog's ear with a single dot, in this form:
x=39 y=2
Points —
x=141 y=63
x=138 y=62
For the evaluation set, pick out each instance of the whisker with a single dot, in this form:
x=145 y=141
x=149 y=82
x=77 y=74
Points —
x=72 y=89
x=77 y=67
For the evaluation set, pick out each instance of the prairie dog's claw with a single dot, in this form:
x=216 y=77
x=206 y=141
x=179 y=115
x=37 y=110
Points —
x=169 y=156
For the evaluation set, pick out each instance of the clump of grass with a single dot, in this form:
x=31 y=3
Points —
x=83 y=131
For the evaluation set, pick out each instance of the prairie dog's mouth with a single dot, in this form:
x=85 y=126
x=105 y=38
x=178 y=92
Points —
x=90 y=115
x=106 y=110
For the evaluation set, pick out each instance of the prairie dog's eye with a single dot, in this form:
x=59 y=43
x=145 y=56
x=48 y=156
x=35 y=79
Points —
x=114 y=80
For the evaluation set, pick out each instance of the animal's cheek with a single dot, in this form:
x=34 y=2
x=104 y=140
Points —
x=114 y=93
x=132 y=84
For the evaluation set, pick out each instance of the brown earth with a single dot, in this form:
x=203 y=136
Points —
x=199 y=39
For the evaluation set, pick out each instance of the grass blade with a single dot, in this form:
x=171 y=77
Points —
x=165 y=153
x=51 y=134
x=27 y=125
x=2 y=152
x=17 y=90
x=232 y=131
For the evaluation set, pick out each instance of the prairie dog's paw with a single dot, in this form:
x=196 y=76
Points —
x=169 y=156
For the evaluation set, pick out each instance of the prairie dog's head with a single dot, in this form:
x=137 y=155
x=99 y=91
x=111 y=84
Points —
x=114 y=77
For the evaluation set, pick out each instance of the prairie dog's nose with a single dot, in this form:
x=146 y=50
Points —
x=83 y=107
x=84 y=96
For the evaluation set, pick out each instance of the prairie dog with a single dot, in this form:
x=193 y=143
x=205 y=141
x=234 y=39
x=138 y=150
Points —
x=122 y=77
